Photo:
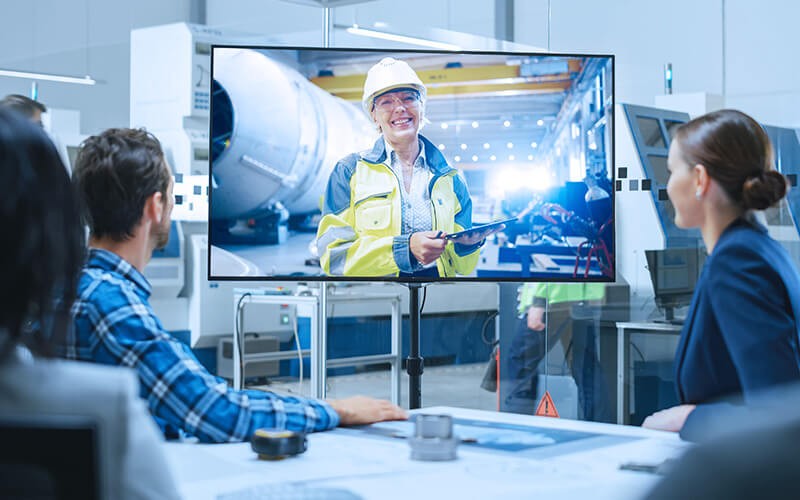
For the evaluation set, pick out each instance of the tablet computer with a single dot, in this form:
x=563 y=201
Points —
x=480 y=228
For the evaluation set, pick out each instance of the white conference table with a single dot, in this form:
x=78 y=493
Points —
x=516 y=456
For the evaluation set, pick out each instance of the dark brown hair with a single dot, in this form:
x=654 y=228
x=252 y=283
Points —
x=736 y=153
x=115 y=172
x=22 y=104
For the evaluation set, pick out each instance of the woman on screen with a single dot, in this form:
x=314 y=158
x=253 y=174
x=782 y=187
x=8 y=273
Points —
x=386 y=212
x=741 y=330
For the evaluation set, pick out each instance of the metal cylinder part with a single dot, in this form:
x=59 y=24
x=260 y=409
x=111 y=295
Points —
x=433 y=438
x=277 y=136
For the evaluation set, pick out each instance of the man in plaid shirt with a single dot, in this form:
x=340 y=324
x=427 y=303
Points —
x=126 y=187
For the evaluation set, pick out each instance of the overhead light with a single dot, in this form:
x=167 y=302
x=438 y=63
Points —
x=86 y=80
x=383 y=35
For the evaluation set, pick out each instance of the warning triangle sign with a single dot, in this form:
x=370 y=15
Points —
x=546 y=407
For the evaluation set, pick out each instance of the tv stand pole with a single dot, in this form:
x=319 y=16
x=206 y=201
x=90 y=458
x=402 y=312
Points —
x=669 y=314
x=414 y=362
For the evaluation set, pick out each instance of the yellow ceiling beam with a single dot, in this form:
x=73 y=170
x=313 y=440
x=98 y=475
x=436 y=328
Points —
x=482 y=90
x=472 y=76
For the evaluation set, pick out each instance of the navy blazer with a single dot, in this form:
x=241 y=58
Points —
x=741 y=331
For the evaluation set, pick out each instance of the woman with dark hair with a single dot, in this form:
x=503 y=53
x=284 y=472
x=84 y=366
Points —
x=42 y=254
x=741 y=332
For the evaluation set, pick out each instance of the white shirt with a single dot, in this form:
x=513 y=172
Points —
x=417 y=203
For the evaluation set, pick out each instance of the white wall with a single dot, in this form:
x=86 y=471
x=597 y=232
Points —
x=760 y=74
x=763 y=59
x=411 y=17
x=266 y=17
x=761 y=43
x=79 y=37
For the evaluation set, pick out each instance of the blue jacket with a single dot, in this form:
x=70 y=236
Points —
x=741 y=331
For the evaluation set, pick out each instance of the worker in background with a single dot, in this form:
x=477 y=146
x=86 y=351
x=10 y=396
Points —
x=386 y=211
x=126 y=187
x=42 y=254
x=30 y=109
x=741 y=332
x=549 y=313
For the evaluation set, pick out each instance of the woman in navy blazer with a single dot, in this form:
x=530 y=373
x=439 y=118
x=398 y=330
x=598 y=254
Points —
x=741 y=330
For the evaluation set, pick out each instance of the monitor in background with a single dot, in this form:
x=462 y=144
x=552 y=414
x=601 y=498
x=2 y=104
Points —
x=506 y=123
x=674 y=273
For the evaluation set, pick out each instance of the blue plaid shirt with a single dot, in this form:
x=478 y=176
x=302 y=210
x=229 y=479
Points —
x=115 y=325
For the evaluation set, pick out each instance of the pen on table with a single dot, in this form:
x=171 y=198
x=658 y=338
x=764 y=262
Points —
x=653 y=468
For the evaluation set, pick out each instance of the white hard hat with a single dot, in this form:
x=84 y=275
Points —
x=386 y=75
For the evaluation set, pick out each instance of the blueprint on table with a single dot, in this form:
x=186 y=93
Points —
x=504 y=437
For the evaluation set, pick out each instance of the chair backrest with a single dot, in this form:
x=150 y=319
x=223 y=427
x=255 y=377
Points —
x=51 y=457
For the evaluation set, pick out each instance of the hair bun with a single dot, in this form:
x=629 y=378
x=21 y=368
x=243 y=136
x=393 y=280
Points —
x=764 y=190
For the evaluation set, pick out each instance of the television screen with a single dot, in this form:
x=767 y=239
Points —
x=355 y=164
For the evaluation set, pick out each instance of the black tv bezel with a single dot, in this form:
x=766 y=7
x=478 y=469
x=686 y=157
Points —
x=412 y=279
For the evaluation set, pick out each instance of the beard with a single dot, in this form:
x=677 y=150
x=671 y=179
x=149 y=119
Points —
x=161 y=234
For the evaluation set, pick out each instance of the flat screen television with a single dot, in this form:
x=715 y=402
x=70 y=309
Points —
x=314 y=178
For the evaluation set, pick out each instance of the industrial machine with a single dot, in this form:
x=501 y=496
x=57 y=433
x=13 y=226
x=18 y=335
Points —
x=277 y=138
x=646 y=215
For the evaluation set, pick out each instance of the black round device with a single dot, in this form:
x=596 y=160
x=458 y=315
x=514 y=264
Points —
x=274 y=444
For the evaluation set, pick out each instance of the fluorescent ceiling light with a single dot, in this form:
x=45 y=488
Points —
x=357 y=30
x=86 y=80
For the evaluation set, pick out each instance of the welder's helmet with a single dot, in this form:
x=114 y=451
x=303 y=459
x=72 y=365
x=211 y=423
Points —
x=387 y=75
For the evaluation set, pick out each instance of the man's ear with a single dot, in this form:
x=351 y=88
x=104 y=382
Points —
x=154 y=207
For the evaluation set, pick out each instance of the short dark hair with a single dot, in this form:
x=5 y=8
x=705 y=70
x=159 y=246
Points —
x=44 y=243
x=737 y=153
x=22 y=104
x=115 y=172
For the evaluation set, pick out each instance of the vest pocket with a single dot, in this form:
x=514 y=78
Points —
x=373 y=213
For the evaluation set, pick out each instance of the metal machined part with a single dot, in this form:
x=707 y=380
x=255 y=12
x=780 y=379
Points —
x=433 y=438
